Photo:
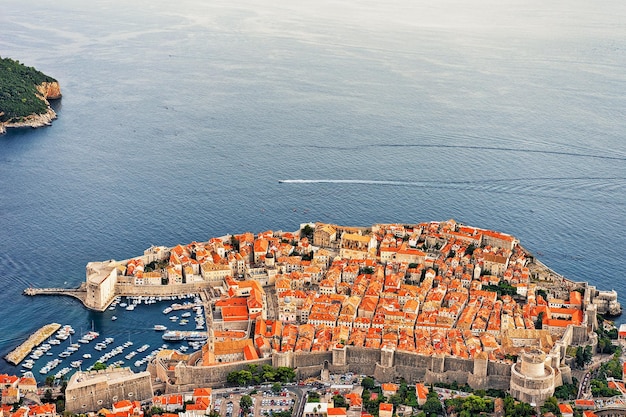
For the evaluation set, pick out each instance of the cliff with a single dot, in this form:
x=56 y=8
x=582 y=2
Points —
x=48 y=91
x=24 y=95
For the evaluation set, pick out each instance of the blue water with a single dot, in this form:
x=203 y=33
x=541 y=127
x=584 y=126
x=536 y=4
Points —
x=178 y=120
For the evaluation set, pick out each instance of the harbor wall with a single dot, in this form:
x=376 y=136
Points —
x=107 y=387
x=128 y=289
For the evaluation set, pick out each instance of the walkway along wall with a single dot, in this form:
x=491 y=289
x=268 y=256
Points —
x=189 y=377
x=478 y=373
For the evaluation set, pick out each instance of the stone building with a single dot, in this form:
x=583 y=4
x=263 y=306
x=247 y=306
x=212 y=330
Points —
x=101 y=280
x=532 y=379
x=94 y=390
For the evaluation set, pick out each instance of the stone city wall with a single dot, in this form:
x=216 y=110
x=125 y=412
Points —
x=128 y=289
x=102 y=395
x=499 y=369
x=360 y=361
x=189 y=377
x=311 y=359
x=452 y=364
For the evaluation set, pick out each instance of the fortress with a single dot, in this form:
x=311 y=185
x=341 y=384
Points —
x=422 y=302
x=532 y=378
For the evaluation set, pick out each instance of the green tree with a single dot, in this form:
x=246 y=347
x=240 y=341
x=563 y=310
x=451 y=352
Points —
x=245 y=403
x=98 y=366
x=523 y=410
x=240 y=378
x=276 y=387
x=542 y=293
x=567 y=391
x=587 y=354
x=551 y=405
x=307 y=231
x=474 y=404
x=285 y=374
x=49 y=380
x=368 y=383
x=580 y=359
x=47 y=395
x=156 y=410
x=313 y=397
x=539 y=321
x=432 y=406
x=339 y=401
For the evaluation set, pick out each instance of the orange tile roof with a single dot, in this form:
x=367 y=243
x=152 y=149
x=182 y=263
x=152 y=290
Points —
x=421 y=391
x=202 y=392
x=385 y=407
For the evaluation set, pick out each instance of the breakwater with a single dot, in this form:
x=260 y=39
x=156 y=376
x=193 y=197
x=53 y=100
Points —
x=18 y=354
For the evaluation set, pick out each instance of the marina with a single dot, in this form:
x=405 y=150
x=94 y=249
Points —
x=125 y=341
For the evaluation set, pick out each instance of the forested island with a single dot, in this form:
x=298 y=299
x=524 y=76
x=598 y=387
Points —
x=24 y=95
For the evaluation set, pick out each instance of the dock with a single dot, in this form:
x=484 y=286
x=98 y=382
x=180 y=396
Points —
x=18 y=354
x=80 y=292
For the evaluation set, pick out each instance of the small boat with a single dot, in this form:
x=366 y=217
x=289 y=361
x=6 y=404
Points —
x=159 y=327
x=114 y=318
x=131 y=307
x=87 y=356
x=186 y=314
x=123 y=304
x=173 y=318
x=167 y=310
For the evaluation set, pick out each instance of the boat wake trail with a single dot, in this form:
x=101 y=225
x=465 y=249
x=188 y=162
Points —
x=365 y=182
x=600 y=189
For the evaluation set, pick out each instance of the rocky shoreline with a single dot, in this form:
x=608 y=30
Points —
x=48 y=91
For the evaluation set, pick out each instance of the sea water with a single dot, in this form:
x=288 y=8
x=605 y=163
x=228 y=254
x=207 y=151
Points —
x=179 y=119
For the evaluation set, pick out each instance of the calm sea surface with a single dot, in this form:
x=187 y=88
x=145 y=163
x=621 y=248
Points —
x=179 y=118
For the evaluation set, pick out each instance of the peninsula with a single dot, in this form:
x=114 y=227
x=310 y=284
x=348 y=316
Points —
x=437 y=302
x=24 y=95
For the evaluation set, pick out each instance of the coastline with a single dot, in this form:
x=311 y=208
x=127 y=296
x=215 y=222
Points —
x=47 y=91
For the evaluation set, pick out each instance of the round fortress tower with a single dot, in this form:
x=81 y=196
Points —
x=532 y=380
x=533 y=364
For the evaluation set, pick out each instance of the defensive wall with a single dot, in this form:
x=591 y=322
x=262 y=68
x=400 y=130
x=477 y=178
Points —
x=385 y=365
x=88 y=391
x=188 y=377
x=123 y=288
